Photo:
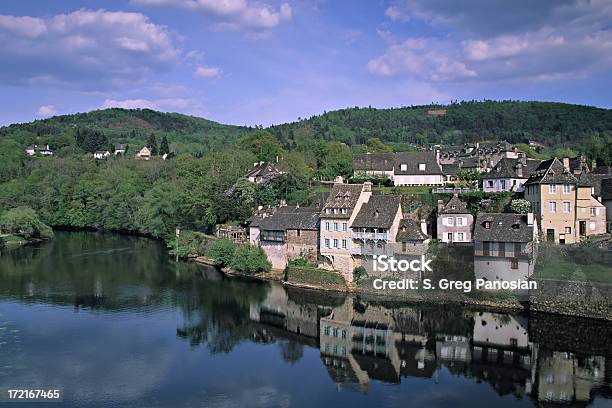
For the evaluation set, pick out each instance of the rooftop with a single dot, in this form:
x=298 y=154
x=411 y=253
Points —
x=502 y=227
x=378 y=212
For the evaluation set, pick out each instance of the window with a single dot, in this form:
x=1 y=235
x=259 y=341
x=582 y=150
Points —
x=490 y=183
x=552 y=207
x=449 y=221
x=459 y=221
x=593 y=211
x=566 y=189
x=344 y=226
x=299 y=232
x=326 y=242
x=503 y=184
x=335 y=243
x=327 y=226
x=403 y=167
x=327 y=211
x=568 y=230
x=552 y=188
x=343 y=334
x=487 y=224
x=326 y=330
x=344 y=243
x=335 y=332
x=403 y=247
x=335 y=226
x=422 y=166
x=272 y=235
x=460 y=236
x=344 y=211
x=502 y=249
x=485 y=248
x=517 y=248
x=566 y=207
x=513 y=263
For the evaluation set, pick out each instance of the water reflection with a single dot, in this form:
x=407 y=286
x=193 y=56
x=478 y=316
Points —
x=158 y=309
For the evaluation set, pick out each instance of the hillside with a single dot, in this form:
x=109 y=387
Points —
x=553 y=124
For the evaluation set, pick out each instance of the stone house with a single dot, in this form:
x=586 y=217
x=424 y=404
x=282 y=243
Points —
x=562 y=203
x=606 y=197
x=376 y=225
x=411 y=238
x=504 y=246
x=263 y=171
x=374 y=164
x=338 y=212
x=43 y=150
x=454 y=221
x=480 y=156
x=509 y=175
x=286 y=234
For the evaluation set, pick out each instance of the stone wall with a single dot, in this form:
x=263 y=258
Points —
x=585 y=299
x=304 y=245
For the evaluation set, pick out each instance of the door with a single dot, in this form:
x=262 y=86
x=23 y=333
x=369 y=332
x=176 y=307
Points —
x=449 y=237
x=550 y=235
x=582 y=228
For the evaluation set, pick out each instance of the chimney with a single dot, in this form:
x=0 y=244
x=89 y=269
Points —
x=440 y=205
x=437 y=155
x=530 y=219
x=338 y=180
x=282 y=203
x=277 y=158
x=566 y=163
x=423 y=227
x=593 y=164
x=519 y=169
x=367 y=187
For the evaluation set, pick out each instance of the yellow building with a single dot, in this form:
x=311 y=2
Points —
x=560 y=202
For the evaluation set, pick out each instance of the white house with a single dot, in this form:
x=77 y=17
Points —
x=417 y=169
x=144 y=153
x=101 y=154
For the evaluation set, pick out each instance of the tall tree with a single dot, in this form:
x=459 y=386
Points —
x=152 y=144
x=163 y=146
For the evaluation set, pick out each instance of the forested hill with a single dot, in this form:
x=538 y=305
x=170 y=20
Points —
x=553 y=124
x=130 y=126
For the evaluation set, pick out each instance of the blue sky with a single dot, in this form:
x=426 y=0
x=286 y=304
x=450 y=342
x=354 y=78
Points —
x=265 y=62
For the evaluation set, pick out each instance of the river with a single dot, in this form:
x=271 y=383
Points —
x=111 y=320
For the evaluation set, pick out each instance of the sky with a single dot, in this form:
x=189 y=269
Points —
x=265 y=62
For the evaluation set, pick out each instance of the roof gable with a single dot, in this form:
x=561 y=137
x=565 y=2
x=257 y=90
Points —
x=502 y=227
x=379 y=212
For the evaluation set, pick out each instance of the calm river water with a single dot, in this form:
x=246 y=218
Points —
x=113 y=321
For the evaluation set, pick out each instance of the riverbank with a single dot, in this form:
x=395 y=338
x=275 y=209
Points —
x=9 y=241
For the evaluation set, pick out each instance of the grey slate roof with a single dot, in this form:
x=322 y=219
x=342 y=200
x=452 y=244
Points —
x=410 y=230
x=505 y=227
x=455 y=206
x=508 y=168
x=256 y=219
x=551 y=172
x=289 y=217
x=450 y=169
x=607 y=170
x=263 y=169
x=413 y=159
x=342 y=196
x=373 y=162
x=378 y=212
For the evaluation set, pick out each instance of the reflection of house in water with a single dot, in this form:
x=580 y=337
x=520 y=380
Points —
x=454 y=352
x=564 y=377
x=501 y=353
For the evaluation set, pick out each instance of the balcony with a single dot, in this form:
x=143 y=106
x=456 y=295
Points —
x=371 y=236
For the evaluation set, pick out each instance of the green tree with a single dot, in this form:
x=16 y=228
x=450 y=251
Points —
x=164 y=148
x=25 y=222
x=152 y=144
x=250 y=259
x=264 y=145
x=222 y=252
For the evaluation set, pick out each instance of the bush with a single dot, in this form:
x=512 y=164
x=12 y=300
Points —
x=25 y=222
x=520 y=206
x=359 y=273
x=250 y=259
x=222 y=252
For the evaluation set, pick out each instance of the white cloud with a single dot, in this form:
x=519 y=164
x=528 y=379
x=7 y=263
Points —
x=569 y=39
x=207 y=72
x=231 y=14
x=84 y=49
x=396 y=13
x=46 y=110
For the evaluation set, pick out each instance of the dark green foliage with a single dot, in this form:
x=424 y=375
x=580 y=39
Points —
x=222 y=252
x=250 y=259
x=91 y=140
x=163 y=146
x=359 y=273
x=24 y=222
x=152 y=144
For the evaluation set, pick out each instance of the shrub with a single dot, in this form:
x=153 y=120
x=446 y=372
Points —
x=520 y=206
x=250 y=259
x=222 y=252
x=359 y=272
x=25 y=222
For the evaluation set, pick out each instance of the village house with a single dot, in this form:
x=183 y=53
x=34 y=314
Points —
x=144 y=153
x=287 y=233
x=480 y=157
x=509 y=175
x=101 y=154
x=376 y=225
x=411 y=237
x=504 y=246
x=120 y=149
x=337 y=214
x=417 y=169
x=374 y=164
x=454 y=221
x=606 y=196
x=43 y=150
x=263 y=171
x=562 y=204
x=232 y=232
